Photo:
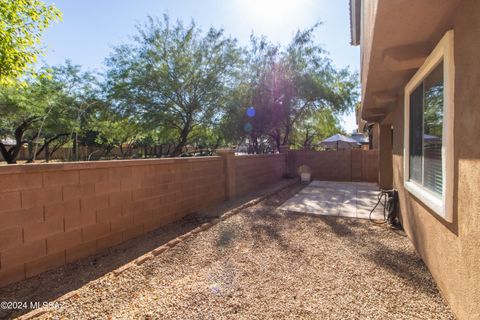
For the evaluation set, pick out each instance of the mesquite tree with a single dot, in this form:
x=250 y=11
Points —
x=22 y=24
x=174 y=76
x=286 y=86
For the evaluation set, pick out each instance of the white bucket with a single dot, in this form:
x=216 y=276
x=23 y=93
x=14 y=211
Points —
x=305 y=177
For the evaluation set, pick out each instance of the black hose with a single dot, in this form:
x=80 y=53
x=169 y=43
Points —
x=383 y=193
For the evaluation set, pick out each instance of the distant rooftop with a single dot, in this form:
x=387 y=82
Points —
x=360 y=138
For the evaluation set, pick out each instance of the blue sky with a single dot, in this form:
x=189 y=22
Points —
x=91 y=28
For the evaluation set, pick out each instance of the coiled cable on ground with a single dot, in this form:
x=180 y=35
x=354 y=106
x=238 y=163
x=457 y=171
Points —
x=390 y=199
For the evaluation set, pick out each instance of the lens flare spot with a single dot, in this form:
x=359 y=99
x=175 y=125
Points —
x=251 y=112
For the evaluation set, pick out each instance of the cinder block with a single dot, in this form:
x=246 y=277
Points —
x=38 y=197
x=10 y=238
x=163 y=211
x=12 y=275
x=119 y=198
x=60 y=178
x=119 y=173
x=78 y=191
x=142 y=217
x=94 y=203
x=109 y=241
x=95 y=231
x=134 y=182
x=121 y=223
x=158 y=222
x=109 y=214
x=20 y=181
x=159 y=190
x=150 y=181
x=174 y=187
x=141 y=194
x=10 y=201
x=133 y=232
x=45 y=263
x=20 y=217
x=152 y=203
x=64 y=240
x=107 y=186
x=42 y=230
x=61 y=209
x=132 y=208
x=77 y=220
x=25 y=253
x=93 y=175
x=140 y=171
x=81 y=251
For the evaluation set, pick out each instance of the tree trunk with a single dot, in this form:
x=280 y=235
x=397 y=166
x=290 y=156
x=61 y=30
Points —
x=10 y=155
x=75 y=147
x=179 y=147
x=46 y=147
x=47 y=153
x=6 y=154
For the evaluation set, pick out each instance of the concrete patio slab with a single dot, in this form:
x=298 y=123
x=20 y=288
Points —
x=333 y=198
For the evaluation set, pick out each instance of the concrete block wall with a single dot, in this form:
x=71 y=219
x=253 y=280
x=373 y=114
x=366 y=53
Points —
x=344 y=165
x=255 y=171
x=52 y=214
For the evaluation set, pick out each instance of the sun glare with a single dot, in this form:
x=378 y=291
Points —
x=272 y=13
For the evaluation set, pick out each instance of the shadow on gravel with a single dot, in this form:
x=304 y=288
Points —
x=363 y=238
x=405 y=265
x=55 y=283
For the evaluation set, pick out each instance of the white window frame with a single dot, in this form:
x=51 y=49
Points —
x=443 y=206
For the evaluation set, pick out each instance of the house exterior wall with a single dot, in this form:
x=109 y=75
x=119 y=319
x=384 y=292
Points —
x=452 y=250
x=368 y=16
x=385 y=168
x=375 y=136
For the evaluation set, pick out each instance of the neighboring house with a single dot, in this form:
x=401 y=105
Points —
x=420 y=73
x=361 y=139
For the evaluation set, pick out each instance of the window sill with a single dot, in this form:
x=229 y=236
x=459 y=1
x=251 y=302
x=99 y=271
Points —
x=427 y=197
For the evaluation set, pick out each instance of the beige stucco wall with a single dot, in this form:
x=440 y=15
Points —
x=375 y=136
x=385 y=176
x=452 y=250
x=369 y=11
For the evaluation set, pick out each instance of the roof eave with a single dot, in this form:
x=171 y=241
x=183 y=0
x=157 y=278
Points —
x=355 y=6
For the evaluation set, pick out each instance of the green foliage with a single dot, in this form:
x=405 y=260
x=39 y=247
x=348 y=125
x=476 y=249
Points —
x=311 y=130
x=49 y=108
x=22 y=109
x=179 y=91
x=174 y=76
x=287 y=86
x=22 y=23
x=116 y=131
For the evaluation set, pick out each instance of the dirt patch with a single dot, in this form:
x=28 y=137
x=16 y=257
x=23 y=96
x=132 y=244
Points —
x=262 y=263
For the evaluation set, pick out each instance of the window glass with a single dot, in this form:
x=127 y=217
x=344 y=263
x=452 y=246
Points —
x=416 y=134
x=426 y=125
x=432 y=130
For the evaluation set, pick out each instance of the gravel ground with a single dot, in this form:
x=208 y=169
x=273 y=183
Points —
x=261 y=263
